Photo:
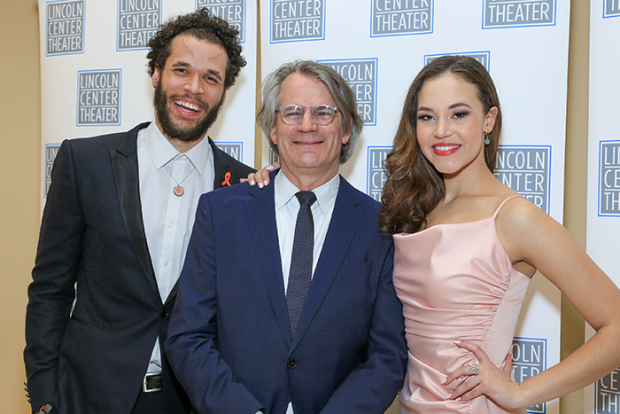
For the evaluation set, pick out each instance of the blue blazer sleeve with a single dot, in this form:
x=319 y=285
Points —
x=190 y=346
x=372 y=386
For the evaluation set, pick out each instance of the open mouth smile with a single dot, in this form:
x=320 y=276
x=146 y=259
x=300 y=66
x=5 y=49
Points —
x=187 y=107
x=446 y=149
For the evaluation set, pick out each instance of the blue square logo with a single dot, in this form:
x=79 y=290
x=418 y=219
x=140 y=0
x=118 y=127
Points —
x=526 y=170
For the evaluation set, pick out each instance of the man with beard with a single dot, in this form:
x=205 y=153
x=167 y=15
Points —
x=116 y=224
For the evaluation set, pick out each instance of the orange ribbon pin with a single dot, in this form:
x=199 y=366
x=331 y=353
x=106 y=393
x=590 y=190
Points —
x=226 y=179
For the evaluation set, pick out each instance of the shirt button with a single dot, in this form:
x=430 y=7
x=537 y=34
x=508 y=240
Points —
x=291 y=363
x=170 y=224
x=165 y=263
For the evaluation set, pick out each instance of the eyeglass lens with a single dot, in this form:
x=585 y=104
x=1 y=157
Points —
x=322 y=114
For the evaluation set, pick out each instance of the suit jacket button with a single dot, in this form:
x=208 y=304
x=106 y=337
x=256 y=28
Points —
x=291 y=363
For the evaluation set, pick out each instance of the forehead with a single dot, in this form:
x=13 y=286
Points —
x=448 y=89
x=186 y=46
x=298 y=89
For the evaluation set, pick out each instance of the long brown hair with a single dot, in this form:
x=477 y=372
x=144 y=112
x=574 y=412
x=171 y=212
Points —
x=414 y=187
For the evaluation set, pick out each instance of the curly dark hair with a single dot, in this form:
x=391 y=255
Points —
x=202 y=25
x=414 y=187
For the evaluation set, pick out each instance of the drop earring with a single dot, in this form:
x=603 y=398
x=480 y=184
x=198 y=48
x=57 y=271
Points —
x=487 y=141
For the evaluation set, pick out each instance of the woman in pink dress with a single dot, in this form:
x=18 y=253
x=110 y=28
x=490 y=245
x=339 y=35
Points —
x=466 y=247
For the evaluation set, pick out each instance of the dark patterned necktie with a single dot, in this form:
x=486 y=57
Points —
x=300 y=274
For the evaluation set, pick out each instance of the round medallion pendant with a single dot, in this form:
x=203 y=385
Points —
x=178 y=191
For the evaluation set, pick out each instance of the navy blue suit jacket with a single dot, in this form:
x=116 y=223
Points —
x=90 y=356
x=229 y=340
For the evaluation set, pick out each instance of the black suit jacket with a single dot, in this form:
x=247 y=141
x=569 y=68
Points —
x=91 y=355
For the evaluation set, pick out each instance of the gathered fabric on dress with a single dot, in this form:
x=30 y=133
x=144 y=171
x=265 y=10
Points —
x=456 y=283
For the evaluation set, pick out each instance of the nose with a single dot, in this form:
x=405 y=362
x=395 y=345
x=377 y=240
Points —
x=307 y=123
x=443 y=128
x=194 y=85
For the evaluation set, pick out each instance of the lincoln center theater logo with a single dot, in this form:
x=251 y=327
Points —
x=99 y=97
x=401 y=17
x=361 y=75
x=482 y=57
x=295 y=20
x=526 y=170
x=64 y=32
x=138 y=21
x=529 y=357
x=612 y=8
x=50 y=155
x=376 y=171
x=608 y=393
x=517 y=13
x=609 y=179
x=233 y=11
x=234 y=149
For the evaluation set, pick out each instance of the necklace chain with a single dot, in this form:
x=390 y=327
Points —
x=178 y=190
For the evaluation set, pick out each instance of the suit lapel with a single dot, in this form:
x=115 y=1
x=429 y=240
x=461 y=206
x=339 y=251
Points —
x=222 y=168
x=265 y=239
x=340 y=233
x=125 y=166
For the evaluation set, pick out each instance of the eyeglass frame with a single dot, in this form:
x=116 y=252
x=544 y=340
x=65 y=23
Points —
x=312 y=108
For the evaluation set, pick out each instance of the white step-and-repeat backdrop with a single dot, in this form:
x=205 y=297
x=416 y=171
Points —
x=94 y=81
x=603 y=228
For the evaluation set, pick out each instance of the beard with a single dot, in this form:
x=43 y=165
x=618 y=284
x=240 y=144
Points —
x=186 y=134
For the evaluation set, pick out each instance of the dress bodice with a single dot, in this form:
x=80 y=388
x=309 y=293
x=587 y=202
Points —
x=456 y=283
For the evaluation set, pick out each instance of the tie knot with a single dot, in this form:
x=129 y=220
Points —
x=306 y=198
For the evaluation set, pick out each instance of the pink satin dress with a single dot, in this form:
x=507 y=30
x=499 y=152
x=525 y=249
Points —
x=456 y=283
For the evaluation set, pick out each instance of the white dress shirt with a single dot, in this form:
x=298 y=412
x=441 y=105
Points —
x=287 y=207
x=168 y=218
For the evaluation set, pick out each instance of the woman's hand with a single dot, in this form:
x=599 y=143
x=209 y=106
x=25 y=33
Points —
x=261 y=176
x=486 y=379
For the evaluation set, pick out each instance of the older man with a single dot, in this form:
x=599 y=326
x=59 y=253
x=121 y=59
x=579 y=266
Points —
x=286 y=302
x=117 y=223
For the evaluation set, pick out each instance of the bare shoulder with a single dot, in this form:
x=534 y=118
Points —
x=528 y=234
x=519 y=215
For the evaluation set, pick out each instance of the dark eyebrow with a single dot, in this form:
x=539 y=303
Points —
x=182 y=64
x=456 y=105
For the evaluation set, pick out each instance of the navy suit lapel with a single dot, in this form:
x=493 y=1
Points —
x=125 y=166
x=340 y=233
x=261 y=215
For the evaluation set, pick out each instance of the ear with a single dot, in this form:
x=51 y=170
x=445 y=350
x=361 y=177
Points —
x=155 y=77
x=273 y=135
x=489 y=121
x=347 y=136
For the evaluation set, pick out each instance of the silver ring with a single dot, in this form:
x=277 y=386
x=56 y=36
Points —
x=474 y=369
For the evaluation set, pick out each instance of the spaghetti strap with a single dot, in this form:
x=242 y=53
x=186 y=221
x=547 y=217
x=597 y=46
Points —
x=502 y=205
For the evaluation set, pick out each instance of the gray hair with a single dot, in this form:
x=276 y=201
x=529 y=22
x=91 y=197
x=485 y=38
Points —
x=341 y=93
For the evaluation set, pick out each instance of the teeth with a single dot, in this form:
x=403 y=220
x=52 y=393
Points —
x=188 y=105
x=445 y=147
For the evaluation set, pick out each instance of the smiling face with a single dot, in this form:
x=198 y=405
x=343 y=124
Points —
x=189 y=89
x=451 y=123
x=308 y=150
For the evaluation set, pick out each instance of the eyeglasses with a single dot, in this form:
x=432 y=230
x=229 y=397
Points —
x=293 y=114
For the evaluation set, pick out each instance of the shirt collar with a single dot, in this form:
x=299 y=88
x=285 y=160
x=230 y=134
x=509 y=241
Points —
x=326 y=194
x=162 y=151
